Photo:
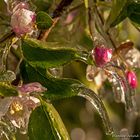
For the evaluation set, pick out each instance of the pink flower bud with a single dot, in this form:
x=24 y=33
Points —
x=102 y=55
x=22 y=21
x=132 y=79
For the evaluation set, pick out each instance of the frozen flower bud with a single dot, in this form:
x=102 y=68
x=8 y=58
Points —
x=22 y=19
x=32 y=87
x=102 y=55
x=132 y=79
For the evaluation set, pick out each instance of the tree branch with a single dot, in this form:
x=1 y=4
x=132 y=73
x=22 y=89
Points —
x=61 y=7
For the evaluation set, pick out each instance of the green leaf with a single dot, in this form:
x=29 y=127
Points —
x=50 y=126
x=135 y=18
x=6 y=90
x=54 y=54
x=134 y=11
x=118 y=13
x=56 y=88
x=122 y=9
x=43 y=20
x=64 y=88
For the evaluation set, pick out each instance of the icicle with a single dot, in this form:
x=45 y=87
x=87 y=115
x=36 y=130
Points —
x=98 y=105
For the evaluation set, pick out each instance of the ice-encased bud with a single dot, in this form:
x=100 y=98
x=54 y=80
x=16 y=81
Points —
x=132 y=79
x=102 y=55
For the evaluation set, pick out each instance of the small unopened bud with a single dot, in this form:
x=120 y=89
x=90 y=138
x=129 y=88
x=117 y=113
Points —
x=102 y=55
x=22 y=19
x=132 y=79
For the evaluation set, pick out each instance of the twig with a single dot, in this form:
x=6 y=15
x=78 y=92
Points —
x=91 y=23
x=75 y=8
x=100 y=16
x=56 y=14
x=46 y=34
x=60 y=8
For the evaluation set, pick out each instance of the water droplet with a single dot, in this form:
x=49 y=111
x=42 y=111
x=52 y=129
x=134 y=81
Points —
x=56 y=72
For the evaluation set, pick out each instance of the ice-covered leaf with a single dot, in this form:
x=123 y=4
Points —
x=64 y=88
x=50 y=127
x=93 y=98
x=53 y=54
x=122 y=9
x=118 y=13
x=56 y=88
x=43 y=20
x=134 y=11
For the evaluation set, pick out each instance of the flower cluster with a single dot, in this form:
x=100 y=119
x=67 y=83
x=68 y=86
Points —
x=102 y=56
x=18 y=109
x=123 y=80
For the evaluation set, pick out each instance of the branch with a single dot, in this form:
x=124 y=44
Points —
x=46 y=34
x=91 y=23
x=61 y=7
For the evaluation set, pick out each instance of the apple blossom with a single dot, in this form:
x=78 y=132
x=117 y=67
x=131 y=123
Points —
x=22 y=19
